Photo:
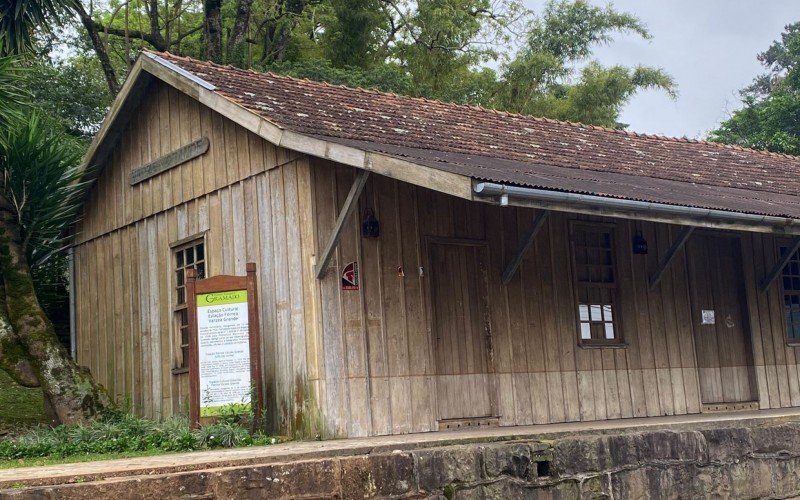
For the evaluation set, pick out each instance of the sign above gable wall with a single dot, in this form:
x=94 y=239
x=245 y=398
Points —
x=170 y=160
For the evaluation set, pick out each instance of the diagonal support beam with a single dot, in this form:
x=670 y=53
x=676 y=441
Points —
x=667 y=259
x=512 y=266
x=770 y=277
x=350 y=204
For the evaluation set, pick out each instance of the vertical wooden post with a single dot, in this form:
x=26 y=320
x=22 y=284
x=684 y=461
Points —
x=255 y=340
x=194 y=354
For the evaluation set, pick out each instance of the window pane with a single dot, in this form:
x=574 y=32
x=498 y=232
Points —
x=583 y=312
x=181 y=295
x=609 y=328
x=179 y=277
x=596 y=314
x=179 y=257
x=200 y=251
x=586 y=331
x=607 y=313
x=201 y=271
x=189 y=256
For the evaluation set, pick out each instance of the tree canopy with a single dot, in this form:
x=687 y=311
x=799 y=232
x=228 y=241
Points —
x=770 y=115
x=493 y=53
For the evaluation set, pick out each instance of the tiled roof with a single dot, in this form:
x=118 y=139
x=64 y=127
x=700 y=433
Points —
x=516 y=149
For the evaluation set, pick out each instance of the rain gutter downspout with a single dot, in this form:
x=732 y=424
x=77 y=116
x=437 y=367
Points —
x=73 y=337
x=506 y=192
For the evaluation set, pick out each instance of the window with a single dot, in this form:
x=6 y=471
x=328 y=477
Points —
x=190 y=255
x=791 y=295
x=595 y=284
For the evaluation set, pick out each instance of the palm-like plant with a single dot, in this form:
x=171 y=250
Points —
x=12 y=95
x=42 y=179
x=19 y=19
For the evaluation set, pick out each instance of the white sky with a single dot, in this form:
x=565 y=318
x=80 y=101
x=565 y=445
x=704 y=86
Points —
x=708 y=46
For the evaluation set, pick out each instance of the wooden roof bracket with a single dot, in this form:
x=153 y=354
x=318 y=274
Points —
x=512 y=266
x=770 y=277
x=350 y=204
x=667 y=259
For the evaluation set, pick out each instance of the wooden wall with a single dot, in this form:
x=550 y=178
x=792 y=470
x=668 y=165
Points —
x=250 y=199
x=356 y=363
x=378 y=375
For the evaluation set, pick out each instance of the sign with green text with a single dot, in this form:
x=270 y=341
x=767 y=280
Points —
x=223 y=342
x=224 y=354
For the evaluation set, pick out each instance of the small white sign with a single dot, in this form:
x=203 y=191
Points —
x=224 y=351
x=707 y=317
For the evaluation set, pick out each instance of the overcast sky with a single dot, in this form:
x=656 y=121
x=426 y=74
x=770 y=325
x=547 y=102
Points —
x=708 y=46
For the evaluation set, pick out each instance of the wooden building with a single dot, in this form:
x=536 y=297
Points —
x=525 y=270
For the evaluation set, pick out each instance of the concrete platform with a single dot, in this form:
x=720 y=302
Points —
x=547 y=439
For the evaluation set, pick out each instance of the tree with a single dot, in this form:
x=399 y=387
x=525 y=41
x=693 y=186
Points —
x=40 y=195
x=770 y=114
x=541 y=81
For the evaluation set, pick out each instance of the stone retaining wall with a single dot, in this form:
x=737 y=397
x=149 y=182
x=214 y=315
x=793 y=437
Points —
x=735 y=461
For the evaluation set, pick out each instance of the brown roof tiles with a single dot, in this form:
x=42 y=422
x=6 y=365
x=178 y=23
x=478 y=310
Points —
x=522 y=150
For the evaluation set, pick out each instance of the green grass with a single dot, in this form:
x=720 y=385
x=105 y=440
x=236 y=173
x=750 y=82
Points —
x=19 y=405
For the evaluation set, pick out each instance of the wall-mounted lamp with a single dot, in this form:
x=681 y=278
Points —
x=639 y=244
x=370 y=228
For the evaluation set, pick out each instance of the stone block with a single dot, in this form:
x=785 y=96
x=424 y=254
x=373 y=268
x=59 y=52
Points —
x=316 y=478
x=669 y=445
x=727 y=444
x=574 y=456
x=438 y=468
x=776 y=438
x=378 y=476
x=752 y=478
x=508 y=459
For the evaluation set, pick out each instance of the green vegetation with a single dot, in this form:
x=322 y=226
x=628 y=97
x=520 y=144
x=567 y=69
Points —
x=19 y=406
x=119 y=434
x=770 y=115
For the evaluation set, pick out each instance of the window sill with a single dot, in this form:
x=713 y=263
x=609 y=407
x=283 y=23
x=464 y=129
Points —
x=792 y=343
x=619 y=345
x=180 y=371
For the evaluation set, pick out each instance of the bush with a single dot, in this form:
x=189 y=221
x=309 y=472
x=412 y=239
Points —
x=120 y=432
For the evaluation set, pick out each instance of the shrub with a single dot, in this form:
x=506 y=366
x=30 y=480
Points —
x=119 y=432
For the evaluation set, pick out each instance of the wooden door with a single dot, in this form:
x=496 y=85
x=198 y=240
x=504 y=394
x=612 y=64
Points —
x=719 y=318
x=461 y=328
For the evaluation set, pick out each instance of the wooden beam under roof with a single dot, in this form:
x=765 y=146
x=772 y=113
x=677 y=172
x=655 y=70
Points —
x=344 y=214
x=671 y=253
x=512 y=266
x=776 y=270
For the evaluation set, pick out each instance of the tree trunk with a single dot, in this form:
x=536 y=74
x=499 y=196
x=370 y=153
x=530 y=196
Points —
x=99 y=48
x=213 y=29
x=237 y=41
x=70 y=389
x=13 y=357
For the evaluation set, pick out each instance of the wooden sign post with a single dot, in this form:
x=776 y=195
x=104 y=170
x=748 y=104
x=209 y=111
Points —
x=224 y=345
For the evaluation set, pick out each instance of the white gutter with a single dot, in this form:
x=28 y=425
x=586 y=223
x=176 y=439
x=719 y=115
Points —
x=177 y=69
x=508 y=193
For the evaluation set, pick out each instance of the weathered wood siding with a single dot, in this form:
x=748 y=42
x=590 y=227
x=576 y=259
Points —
x=377 y=372
x=252 y=202
x=355 y=363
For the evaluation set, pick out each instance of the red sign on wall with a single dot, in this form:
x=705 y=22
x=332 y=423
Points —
x=350 y=276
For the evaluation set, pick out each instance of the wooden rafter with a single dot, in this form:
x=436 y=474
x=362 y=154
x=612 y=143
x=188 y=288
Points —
x=667 y=259
x=770 y=277
x=512 y=266
x=349 y=205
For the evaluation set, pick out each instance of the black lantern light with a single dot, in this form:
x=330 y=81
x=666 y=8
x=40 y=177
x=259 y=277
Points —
x=370 y=228
x=639 y=244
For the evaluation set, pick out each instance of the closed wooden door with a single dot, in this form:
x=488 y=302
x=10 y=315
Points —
x=461 y=329
x=719 y=318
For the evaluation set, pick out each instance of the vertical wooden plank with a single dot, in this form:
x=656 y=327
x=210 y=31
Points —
x=336 y=401
x=420 y=365
x=655 y=306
